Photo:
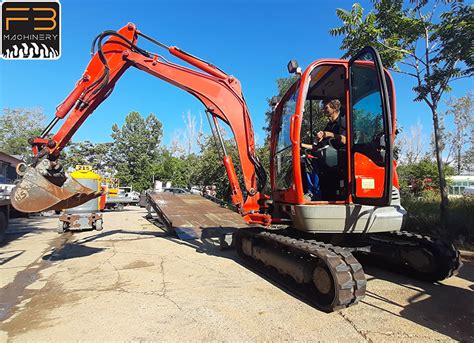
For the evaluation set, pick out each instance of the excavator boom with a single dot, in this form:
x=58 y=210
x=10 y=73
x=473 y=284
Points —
x=221 y=94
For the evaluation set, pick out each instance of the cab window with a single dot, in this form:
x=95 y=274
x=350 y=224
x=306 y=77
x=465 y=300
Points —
x=283 y=154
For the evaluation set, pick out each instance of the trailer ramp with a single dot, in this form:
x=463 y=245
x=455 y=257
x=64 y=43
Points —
x=191 y=216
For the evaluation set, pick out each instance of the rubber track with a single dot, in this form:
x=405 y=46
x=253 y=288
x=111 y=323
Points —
x=447 y=256
x=356 y=269
x=349 y=277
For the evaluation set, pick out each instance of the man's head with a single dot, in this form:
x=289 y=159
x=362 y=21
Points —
x=331 y=108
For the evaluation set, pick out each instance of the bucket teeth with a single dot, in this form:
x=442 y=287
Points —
x=34 y=193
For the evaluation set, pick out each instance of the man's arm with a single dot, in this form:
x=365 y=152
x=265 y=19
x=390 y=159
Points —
x=328 y=134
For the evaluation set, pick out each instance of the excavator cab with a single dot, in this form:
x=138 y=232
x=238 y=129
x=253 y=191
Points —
x=336 y=186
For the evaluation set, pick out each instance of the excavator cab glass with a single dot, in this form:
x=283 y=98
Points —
x=370 y=130
x=283 y=157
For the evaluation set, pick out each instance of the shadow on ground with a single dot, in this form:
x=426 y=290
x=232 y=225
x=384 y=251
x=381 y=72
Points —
x=441 y=307
x=20 y=227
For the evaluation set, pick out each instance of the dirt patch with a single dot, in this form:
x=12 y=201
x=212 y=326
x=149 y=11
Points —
x=32 y=316
x=12 y=294
x=138 y=264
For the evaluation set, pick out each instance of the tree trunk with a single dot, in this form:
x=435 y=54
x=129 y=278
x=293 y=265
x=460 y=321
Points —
x=443 y=206
x=459 y=161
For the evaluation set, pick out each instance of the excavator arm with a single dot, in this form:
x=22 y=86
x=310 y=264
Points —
x=44 y=186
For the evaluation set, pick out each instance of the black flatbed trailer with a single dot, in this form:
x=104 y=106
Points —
x=4 y=216
x=191 y=216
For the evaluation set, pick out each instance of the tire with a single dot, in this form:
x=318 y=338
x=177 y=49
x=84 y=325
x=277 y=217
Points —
x=61 y=228
x=3 y=225
x=98 y=225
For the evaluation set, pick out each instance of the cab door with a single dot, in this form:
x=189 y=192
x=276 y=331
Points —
x=371 y=145
x=282 y=150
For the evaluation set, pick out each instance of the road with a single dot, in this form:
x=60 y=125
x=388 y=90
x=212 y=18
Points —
x=132 y=281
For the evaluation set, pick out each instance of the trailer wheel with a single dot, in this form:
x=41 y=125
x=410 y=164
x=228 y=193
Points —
x=3 y=225
x=61 y=228
x=98 y=225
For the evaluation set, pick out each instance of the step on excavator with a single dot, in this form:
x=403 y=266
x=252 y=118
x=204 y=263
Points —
x=307 y=234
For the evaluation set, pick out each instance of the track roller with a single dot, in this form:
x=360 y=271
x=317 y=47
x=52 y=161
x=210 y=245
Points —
x=327 y=276
x=419 y=256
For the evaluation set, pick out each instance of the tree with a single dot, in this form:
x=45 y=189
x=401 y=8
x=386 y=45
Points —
x=412 y=146
x=433 y=51
x=135 y=148
x=87 y=153
x=176 y=169
x=462 y=111
x=209 y=169
x=16 y=127
x=415 y=178
x=283 y=84
x=187 y=140
x=468 y=157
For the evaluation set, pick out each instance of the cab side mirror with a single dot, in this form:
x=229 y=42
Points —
x=293 y=67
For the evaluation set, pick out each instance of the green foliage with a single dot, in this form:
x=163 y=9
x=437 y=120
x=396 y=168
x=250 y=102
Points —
x=367 y=126
x=263 y=153
x=424 y=217
x=411 y=40
x=87 y=153
x=319 y=120
x=16 y=127
x=210 y=170
x=177 y=170
x=283 y=84
x=395 y=31
x=455 y=32
x=135 y=148
x=461 y=109
x=418 y=178
x=468 y=157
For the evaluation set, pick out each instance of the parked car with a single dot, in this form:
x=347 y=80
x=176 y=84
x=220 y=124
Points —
x=177 y=190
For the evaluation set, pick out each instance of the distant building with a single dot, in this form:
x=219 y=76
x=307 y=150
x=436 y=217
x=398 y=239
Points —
x=458 y=183
x=8 y=165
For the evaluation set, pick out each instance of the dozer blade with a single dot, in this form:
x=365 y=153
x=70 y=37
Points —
x=34 y=193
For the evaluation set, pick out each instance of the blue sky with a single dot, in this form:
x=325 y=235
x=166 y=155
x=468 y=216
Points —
x=252 y=40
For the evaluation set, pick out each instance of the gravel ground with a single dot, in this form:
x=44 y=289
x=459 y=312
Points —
x=132 y=281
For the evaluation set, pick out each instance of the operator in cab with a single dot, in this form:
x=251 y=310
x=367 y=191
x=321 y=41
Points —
x=335 y=128
x=323 y=182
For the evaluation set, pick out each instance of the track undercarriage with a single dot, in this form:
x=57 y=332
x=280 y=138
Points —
x=323 y=268
x=327 y=276
x=421 y=257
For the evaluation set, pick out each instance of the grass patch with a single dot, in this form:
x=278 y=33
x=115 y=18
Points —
x=424 y=217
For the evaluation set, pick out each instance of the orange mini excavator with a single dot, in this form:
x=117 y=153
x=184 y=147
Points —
x=329 y=203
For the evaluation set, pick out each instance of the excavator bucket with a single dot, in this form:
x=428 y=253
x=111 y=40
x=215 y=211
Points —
x=35 y=193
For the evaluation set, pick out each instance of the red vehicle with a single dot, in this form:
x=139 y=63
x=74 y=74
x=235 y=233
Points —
x=361 y=214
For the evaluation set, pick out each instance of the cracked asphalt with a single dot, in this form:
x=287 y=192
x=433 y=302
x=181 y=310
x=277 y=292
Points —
x=132 y=281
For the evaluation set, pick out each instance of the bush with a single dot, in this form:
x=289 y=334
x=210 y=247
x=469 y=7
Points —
x=424 y=217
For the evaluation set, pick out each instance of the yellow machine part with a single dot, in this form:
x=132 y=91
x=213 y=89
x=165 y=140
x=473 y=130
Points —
x=112 y=186
x=85 y=172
